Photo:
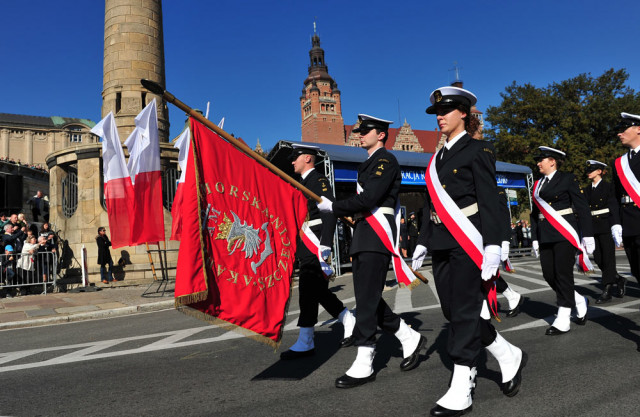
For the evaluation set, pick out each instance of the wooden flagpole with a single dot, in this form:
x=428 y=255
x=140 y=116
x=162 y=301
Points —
x=156 y=88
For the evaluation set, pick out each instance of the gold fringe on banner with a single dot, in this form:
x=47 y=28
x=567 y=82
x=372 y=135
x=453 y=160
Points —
x=196 y=297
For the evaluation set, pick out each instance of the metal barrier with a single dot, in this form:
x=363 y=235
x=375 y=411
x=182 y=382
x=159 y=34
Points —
x=28 y=270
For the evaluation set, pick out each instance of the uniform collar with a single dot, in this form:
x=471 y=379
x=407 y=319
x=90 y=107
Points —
x=373 y=153
x=550 y=176
x=454 y=139
x=304 y=174
x=595 y=184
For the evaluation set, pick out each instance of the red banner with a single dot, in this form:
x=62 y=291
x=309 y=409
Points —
x=242 y=220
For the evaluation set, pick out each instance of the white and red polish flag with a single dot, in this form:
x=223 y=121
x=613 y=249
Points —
x=144 y=168
x=183 y=143
x=118 y=190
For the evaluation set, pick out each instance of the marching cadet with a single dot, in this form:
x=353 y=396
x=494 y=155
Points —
x=560 y=216
x=606 y=218
x=378 y=185
x=514 y=299
x=462 y=231
x=312 y=254
x=627 y=184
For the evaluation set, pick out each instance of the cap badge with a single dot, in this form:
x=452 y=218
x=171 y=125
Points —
x=437 y=95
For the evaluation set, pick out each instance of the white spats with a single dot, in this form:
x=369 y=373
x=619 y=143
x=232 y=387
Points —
x=513 y=298
x=581 y=304
x=508 y=357
x=563 y=319
x=362 y=367
x=348 y=320
x=459 y=395
x=409 y=339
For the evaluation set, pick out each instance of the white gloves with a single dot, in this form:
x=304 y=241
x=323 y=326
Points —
x=418 y=257
x=589 y=244
x=326 y=205
x=325 y=252
x=536 y=248
x=505 y=250
x=490 y=261
x=616 y=233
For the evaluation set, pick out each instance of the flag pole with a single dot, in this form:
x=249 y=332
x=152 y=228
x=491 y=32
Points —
x=156 y=88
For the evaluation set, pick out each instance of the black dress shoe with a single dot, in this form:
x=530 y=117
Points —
x=516 y=310
x=552 y=331
x=412 y=361
x=347 y=341
x=605 y=297
x=345 y=381
x=292 y=354
x=511 y=388
x=439 y=411
x=622 y=285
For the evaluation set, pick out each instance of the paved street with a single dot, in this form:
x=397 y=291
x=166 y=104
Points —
x=166 y=363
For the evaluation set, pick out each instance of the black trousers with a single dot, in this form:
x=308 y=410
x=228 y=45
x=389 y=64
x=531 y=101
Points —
x=314 y=291
x=369 y=275
x=459 y=287
x=501 y=284
x=557 y=260
x=605 y=257
x=632 y=249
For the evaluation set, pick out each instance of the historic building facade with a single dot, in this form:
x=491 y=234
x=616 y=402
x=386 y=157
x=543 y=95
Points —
x=320 y=101
x=321 y=112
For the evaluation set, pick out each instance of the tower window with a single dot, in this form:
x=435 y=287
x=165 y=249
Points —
x=118 y=102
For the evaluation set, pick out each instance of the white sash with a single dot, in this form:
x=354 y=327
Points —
x=312 y=243
x=562 y=226
x=628 y=179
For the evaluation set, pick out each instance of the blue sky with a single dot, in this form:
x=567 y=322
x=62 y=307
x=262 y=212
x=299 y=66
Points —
x=249 y=58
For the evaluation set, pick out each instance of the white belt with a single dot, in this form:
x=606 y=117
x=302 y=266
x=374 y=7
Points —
x=601 y=211
x=315 y=222
x=626 y=199
x=384 y=210
x=467 y=211
x=560 y=212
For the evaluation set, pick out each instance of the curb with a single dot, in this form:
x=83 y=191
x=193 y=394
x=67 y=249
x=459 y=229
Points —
x=67 y=318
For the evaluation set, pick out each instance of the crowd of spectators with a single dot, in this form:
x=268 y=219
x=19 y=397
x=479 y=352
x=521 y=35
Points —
x=520 y=234
x=27 y=253
x=39 y=167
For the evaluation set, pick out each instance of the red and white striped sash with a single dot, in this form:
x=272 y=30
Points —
x=382 y=228
x=312 y=243
x=561 y=225
x=628 y=179
x=461 y=228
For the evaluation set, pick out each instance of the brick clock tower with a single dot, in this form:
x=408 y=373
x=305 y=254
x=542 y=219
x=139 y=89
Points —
x=320 y=101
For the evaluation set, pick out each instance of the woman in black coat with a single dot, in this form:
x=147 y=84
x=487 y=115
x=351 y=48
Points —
x=559 y=193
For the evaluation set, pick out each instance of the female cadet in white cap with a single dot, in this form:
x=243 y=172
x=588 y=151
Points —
x=605 y=216
x=465 y=174
x=561 y=192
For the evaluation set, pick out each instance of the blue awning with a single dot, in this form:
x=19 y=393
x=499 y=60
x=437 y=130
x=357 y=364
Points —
x=347 y=158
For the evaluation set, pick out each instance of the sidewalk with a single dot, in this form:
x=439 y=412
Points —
x=52 y=308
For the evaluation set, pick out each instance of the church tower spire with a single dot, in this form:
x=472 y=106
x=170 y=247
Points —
x=320 y=100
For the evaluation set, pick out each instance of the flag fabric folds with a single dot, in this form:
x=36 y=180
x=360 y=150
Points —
x=118 y=190
x=183 y=144
x=146 y=177
x=239 y=228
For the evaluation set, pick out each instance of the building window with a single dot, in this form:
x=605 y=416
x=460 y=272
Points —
x=70 y=193
x=169 y=185
x=75 y=135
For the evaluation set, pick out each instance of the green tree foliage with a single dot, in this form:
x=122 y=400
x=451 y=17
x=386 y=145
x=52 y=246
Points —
x=577 y=116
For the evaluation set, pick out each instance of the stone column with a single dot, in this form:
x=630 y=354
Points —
x=4 y=142
x=28 y=141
